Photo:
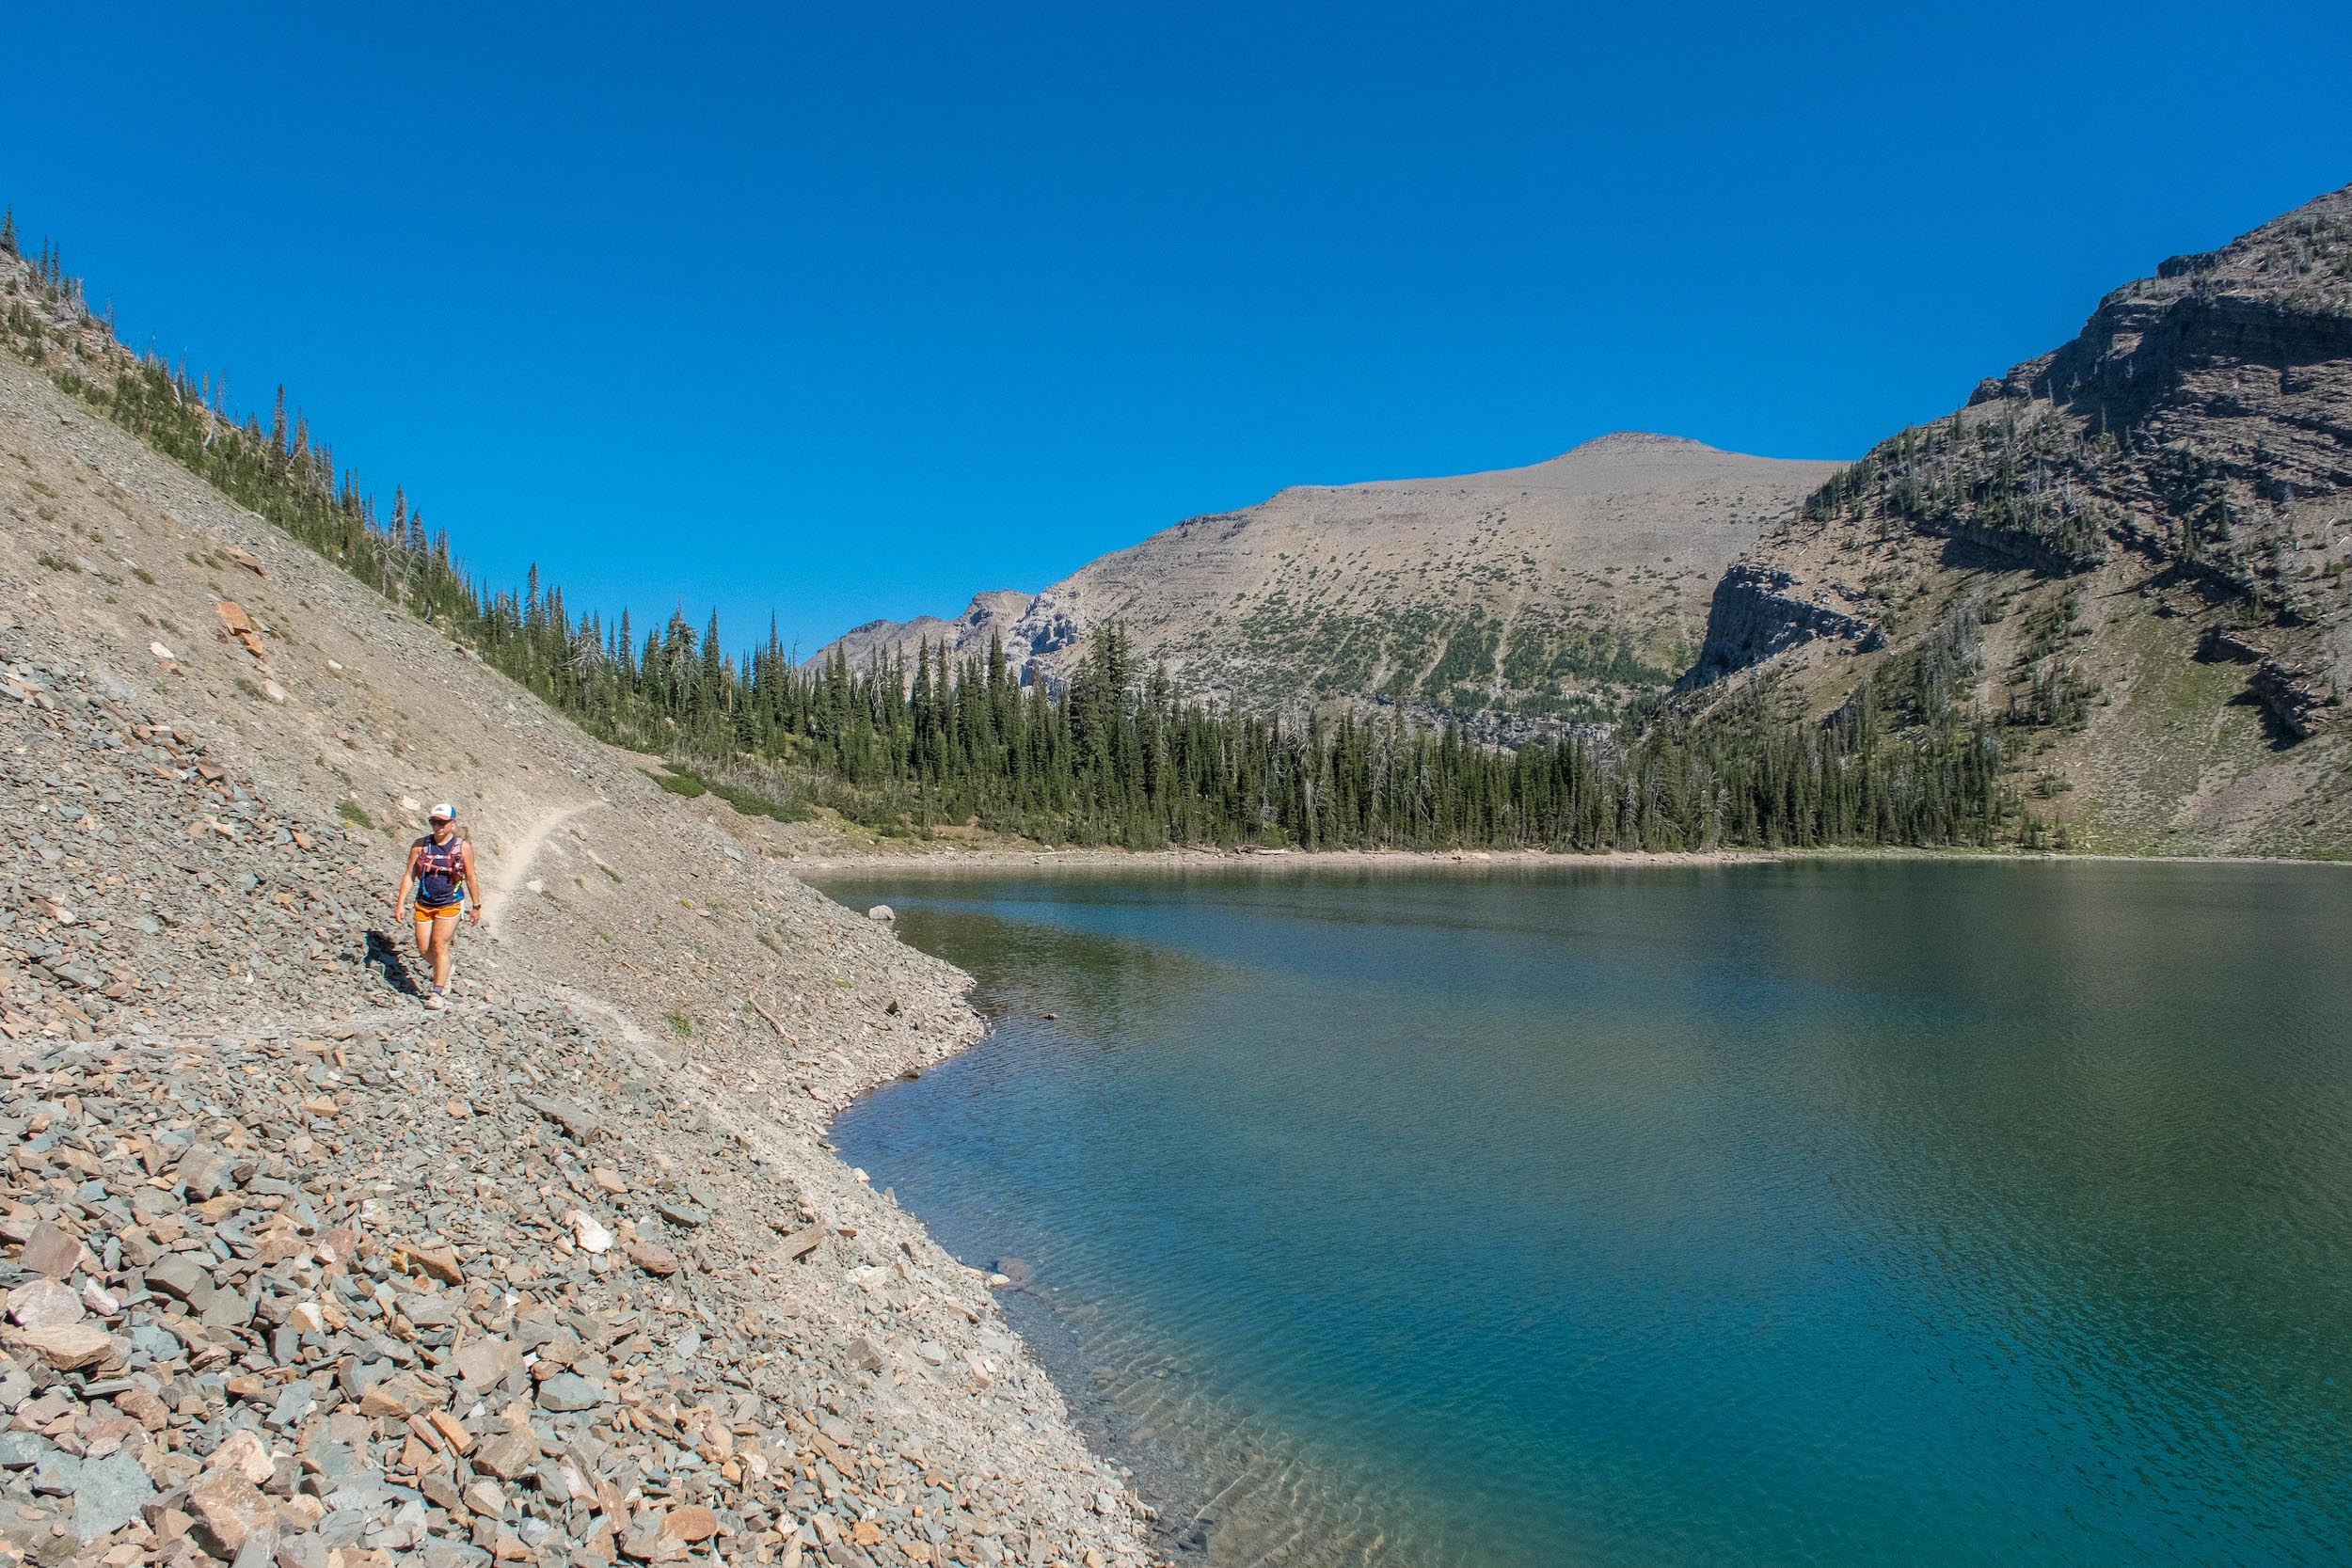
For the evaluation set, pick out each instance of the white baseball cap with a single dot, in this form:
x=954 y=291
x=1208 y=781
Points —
x=443 y=812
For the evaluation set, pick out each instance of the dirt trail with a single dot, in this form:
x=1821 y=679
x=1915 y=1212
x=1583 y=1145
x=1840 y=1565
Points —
x=511 y=878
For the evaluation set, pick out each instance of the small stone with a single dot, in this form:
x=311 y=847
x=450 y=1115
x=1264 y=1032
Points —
x=437 y=1262
x=403 y=1396
x=20 y=1451
x=44 y=1304
x=243 y=1452
x=882 y=914
x=861 y=1353
x=71 y=1347
x=440 y=1491
x=567 y=1391
x=689 y=1524
x=453 y=1433
x=483 y=1497
x=590 y=1235
x=110 y=1494
x=228 y=1510
x=608 y=1180
x=582 y=1124
x=507 y=1455
x=181 y=1278
x=144 y=1408
x=486 y=1360
x=49 y=1250
x=653 y=1258
x=57 y=1474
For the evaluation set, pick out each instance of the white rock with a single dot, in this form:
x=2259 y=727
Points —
x=536 y=885
x=591 y=1236
x=160 y=652
x=882 y=914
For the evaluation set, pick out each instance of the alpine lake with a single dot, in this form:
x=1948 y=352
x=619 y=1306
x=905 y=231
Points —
x=1832 y=1211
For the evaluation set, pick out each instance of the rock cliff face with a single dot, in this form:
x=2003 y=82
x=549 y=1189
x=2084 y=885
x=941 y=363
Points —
x=992 y=615
x=1757 y=614
x=2172 y=487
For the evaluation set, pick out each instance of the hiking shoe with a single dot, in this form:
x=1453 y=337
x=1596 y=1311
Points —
x=436 y=1002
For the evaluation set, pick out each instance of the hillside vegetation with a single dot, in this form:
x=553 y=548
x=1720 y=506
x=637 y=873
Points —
x=2131 y=552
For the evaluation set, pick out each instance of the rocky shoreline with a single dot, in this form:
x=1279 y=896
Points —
x=299 y=1274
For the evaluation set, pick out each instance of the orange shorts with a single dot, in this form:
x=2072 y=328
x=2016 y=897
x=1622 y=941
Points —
x=429 y=916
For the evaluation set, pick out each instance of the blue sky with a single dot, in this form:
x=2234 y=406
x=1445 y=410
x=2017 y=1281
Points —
x=851 y=311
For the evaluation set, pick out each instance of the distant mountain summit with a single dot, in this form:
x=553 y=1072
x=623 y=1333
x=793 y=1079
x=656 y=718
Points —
x=1526 y=596
x=991 y=613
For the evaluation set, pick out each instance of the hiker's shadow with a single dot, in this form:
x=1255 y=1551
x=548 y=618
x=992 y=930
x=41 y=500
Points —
x=385 y=954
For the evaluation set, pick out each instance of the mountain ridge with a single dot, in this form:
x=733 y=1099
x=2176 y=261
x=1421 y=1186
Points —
x=1446 y=600
x=2131 y=548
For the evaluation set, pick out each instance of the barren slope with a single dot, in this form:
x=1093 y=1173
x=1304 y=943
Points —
x=1554 y=590
x=585 y=1217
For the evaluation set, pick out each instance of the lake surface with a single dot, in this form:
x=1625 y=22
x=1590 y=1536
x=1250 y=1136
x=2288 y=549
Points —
x=1829 y=1213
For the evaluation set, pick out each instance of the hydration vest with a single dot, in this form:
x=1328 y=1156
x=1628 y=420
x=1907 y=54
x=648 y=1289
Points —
x=441 y=871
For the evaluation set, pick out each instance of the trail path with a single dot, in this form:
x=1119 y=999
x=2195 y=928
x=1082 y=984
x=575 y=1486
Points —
x=511 y=878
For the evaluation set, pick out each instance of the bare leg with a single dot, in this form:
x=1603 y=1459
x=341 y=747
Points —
x=444 y=951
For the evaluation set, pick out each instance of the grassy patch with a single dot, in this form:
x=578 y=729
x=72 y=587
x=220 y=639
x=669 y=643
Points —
x=349 y=811
x=678 y=782
x=682 y=1024
x=747 y=802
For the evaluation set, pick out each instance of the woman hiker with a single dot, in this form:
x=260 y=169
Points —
x=440 y=865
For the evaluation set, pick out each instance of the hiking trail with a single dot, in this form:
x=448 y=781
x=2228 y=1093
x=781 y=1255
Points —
x=511 y=878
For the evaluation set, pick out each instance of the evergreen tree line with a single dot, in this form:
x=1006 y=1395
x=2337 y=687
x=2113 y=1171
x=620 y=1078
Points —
x=1118 y=757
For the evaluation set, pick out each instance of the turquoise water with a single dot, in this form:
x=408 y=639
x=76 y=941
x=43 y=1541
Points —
x=1871 y=1213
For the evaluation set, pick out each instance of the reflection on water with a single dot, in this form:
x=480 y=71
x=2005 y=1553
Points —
x=1866 y=1212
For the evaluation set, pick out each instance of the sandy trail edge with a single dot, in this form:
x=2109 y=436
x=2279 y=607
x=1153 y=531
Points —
x=511 y=877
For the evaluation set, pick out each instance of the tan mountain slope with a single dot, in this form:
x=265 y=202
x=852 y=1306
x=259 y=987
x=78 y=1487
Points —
x=2134 y=548
x=1559 y=589
x=608 y=1154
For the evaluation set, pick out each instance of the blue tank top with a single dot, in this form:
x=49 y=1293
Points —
x=441 y=871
